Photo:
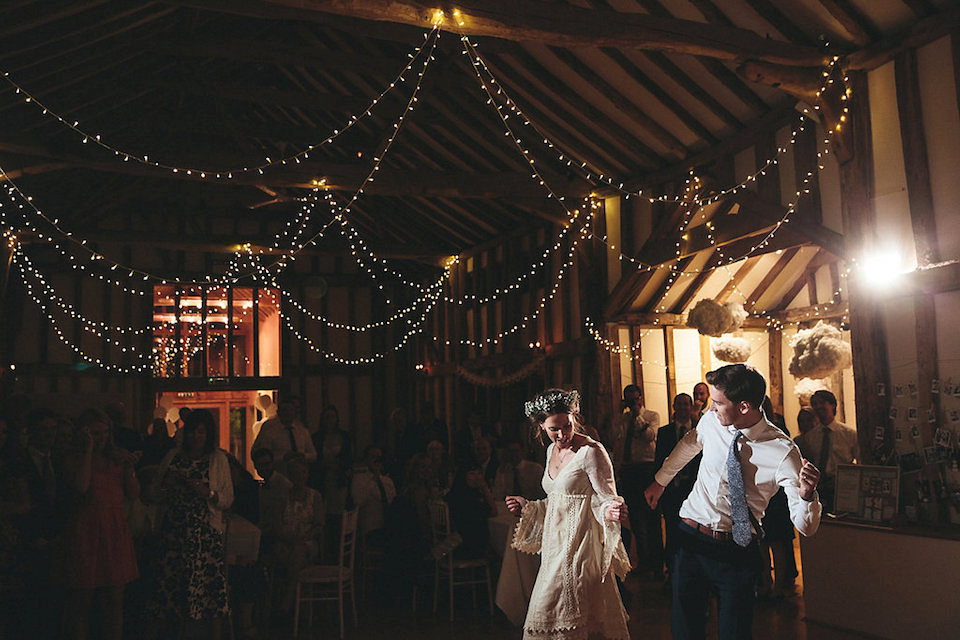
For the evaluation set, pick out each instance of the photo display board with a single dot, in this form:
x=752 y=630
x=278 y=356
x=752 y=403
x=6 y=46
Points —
x=867 y=492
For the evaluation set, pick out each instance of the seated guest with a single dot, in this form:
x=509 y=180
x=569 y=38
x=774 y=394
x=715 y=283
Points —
x=407 y=526
x=330 y=474
x=372 y=493
x=301 y=526
x=517 y=476
x=471 y=504
x=273 y=493
x=442 y=473
x=485 y=458
x=98 y=554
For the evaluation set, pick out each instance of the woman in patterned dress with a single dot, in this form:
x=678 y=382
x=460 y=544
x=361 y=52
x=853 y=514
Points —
x=196 y=487
x=576 y=530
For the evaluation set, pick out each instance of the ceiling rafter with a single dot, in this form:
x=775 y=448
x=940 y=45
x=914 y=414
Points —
x=570 y=26
x=673 y=146
x=618 y=137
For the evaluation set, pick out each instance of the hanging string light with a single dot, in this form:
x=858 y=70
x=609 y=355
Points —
x=256 y=270
x=595 y=175
x=27 y=202
x=228 y=173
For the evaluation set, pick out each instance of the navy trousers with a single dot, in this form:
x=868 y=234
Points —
x=703 y=565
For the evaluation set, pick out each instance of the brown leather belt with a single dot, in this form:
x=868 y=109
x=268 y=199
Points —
x=707 y=531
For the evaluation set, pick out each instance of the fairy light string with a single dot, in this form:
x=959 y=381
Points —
x=357 y=246
x=594 y=175
x=228 y=173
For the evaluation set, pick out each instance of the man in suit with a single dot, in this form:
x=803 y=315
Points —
x=684 y=419
x=633 y=458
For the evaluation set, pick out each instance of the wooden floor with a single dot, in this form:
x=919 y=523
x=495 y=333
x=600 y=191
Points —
x=649 y=611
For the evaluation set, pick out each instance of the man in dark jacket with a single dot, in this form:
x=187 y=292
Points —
x=678 y=490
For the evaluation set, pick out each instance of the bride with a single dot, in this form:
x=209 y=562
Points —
x=576 y=530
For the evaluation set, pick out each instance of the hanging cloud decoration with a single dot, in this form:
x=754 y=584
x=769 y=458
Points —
x=805 y=388
x=713 y=319
x=731 y=349
x=819 y=352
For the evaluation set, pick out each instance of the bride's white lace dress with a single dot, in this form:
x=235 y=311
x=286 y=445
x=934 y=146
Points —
x=575 y=595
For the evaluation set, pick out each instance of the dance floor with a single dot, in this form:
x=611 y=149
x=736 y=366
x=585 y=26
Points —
x=649 y=610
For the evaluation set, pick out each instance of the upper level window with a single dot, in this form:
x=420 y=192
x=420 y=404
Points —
x=215 y=331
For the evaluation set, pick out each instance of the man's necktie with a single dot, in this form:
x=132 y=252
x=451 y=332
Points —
x=824 y=452
x=738 y=496
x=293 y=440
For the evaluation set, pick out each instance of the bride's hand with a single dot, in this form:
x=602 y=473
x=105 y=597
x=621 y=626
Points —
x=617 y=513
x=515 y=504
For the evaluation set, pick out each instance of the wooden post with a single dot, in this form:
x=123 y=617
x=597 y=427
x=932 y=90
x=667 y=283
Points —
x=867 y=333
x=671 y=365
x=775 y=378
x=915 y=160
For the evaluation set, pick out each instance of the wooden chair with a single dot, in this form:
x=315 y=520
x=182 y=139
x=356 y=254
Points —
x=318 y=582
x=455 y=571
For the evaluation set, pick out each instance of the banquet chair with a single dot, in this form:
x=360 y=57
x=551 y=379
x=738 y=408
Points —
x=456 y=572
x=317 y=583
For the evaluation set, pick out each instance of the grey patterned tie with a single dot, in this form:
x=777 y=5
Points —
x=738 y=496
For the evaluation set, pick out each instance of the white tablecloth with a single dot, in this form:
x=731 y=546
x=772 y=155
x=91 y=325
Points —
x=517 y=573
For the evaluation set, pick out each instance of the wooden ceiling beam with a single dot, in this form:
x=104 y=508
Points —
x=260 y=94
x=672 y=104
x=570 y=26
x=230 y=244
x=658 y=296
x=693 y=289
x=339 y=177
x=744 y=138
x=852 y=21
x=820 y=259
x=733 y=284
x=55 y=39
x=772 y=14
x=671 y=144
x=706 y=98
x=918 y=34
x=625 y=292
x=769 y=277
x=753 y=205
x=67 y=51
x=19 y=26
x=611 y=135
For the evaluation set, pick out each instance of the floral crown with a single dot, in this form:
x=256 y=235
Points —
x=551 y=402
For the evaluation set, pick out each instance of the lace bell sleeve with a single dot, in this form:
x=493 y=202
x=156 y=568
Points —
x=529 y=532
x=600 y=471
